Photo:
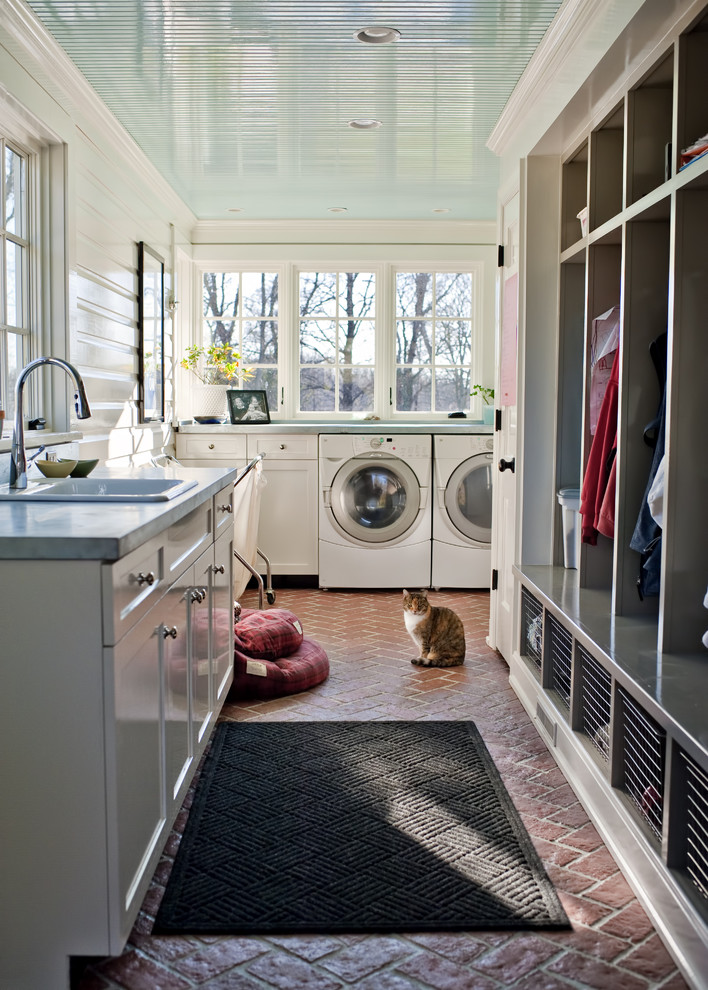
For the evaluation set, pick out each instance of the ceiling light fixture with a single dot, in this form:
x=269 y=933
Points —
x=376 y=35
x=234 y=209
x=441 y=209
x=336 y=209
x=364 y=124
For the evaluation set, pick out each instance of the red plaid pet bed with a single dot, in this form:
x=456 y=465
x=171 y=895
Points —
x=272 y=657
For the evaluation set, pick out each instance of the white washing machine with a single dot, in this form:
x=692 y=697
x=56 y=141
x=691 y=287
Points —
x=462 y=513
x=374 y=511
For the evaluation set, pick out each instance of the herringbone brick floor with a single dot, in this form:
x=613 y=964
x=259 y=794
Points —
x=612 y=945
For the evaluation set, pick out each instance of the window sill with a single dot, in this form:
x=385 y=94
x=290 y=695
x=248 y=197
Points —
x=35 y=438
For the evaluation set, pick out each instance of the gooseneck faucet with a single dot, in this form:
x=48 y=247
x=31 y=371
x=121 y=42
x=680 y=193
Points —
x=18 y=460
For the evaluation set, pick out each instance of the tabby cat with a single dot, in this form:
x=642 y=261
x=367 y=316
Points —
x=436 y=631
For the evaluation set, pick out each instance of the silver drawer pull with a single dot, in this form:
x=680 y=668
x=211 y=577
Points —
x=211 y=446
x=282 y=446
x=197 y=595
x=226 y=508
x=148 y=578
x=219 y=569
x=172 y=631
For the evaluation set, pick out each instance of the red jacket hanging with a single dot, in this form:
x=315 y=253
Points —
x=597 y=506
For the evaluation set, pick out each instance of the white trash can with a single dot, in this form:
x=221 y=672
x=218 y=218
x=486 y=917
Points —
x=569 y=499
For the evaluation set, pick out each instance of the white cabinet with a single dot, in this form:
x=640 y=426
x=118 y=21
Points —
x=114 y=676
x=287 y=529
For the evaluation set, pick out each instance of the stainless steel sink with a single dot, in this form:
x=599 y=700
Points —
x=99 y=490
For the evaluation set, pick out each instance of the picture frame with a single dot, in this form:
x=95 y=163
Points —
x=151 y=335
x=248 y=405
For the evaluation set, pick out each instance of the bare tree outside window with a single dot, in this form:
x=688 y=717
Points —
x=240 y=309
x=14 y=273
x=434 y=334
x=337 y=341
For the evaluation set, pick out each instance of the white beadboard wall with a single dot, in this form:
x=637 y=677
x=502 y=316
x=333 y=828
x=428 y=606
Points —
x=113 y=199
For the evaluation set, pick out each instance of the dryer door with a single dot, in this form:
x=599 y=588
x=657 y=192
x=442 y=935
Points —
x=468 y=498
x=375 y=499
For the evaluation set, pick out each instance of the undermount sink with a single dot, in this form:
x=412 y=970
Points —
x=100 y=490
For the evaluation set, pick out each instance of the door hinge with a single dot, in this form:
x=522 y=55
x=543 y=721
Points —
x=500 y=256
x=497 y=420
x=495 y=579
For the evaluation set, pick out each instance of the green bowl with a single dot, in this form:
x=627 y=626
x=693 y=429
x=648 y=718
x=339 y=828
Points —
x=84 y=468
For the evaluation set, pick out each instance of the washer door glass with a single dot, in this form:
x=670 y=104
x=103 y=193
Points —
x=468 y=498
x=375 y=499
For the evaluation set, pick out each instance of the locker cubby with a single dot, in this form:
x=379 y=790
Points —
x=695 y=852
x=650 y=121
x=595 y=701
x=531 y=644
x=642 y=763
x=559 y=661
x=607 y=169
x=692 y=122
x=574 y=194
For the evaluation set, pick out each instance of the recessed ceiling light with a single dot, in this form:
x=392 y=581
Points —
x=336 y=209
x=235 y=209
x=441 y=209
x=376 y=35
x=364 y=124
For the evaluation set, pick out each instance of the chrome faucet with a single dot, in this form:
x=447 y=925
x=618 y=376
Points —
x=18 y=460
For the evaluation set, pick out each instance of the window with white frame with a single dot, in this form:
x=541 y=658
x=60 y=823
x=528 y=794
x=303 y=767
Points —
x=337 y=331
x=240 y=311
x=14 y=273
x=435 y=337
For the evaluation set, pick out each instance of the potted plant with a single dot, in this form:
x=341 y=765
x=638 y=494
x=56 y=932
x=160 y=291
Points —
x=487 y=397
x=215 y=367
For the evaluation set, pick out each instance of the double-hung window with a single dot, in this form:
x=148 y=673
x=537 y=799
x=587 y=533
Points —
x=436 y=334
x=240 y=309
x=14 y=274
x=337 y=341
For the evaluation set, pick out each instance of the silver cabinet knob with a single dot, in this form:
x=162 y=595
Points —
x=226 y=508
x=282 y=446
x=148 y=578
x=172 y=631
x=211 y=446
x=219 y=569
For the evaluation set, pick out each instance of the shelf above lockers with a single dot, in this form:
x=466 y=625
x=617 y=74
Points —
x=607 y=169
x=649 y=130
x=574 y=195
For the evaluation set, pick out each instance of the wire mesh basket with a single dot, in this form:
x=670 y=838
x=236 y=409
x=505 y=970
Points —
x=560 y=657
x=696 y=825
x=531 y=644
x=644 y=762
x=595 y=701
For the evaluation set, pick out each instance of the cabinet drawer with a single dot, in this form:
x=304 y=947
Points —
x=283 y=447
x=188 y=538
x=131 y=587
x=223 y=510
x=203 y=446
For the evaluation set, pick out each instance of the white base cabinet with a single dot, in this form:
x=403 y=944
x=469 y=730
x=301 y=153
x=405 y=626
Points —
x=112 y=681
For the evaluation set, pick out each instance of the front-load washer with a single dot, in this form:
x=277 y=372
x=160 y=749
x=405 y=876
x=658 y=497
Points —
x=462 y=513
x=374 y=510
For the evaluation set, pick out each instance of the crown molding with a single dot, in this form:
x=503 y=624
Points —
x=70 y=89
x=577 y=38
x=479 y=232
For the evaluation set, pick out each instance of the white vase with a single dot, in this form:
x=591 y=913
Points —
x=209 y=400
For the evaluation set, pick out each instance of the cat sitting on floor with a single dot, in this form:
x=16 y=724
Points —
x=437 y=631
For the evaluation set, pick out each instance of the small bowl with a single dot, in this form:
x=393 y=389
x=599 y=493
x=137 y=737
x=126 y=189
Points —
x=56 y=469
x=84 y=468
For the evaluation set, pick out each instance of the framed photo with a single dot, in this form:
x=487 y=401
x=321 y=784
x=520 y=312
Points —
x=248 y=405
x=151 y=326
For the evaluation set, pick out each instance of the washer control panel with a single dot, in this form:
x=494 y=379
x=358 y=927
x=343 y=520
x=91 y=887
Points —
x=396 y=446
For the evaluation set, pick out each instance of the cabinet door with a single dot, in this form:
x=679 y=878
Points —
x=139 y=813
x=174 y=640
x=198 y=622
x=287 y=528
x=222 y=625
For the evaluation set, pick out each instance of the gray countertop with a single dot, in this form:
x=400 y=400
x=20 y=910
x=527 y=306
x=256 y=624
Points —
x=90 y=531
x=341 y=426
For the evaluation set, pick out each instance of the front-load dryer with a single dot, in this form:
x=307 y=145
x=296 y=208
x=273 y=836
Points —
x=462 y=513
x=374 y=510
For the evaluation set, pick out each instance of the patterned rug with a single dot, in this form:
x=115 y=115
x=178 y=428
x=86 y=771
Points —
x=353 y=827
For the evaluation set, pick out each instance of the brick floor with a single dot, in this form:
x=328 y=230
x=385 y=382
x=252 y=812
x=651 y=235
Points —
x=612 y=945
